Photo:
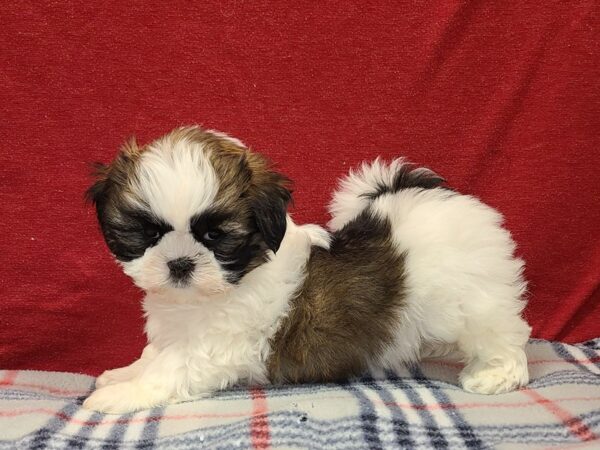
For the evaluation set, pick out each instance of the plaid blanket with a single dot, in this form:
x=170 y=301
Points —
x=420 y=407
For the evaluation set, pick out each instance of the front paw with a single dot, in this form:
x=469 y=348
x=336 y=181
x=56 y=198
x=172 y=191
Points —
x=115 y=376
x=121 y=398
x=493 y=380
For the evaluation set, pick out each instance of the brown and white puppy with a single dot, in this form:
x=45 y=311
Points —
x=236 y=292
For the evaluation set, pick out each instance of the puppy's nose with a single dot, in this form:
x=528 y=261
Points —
x=180 y=268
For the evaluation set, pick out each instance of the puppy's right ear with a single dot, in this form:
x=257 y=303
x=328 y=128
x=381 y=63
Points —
x=96 y=193
x=117 y=172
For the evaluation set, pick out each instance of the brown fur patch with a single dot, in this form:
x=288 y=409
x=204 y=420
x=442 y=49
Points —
x=347 y=309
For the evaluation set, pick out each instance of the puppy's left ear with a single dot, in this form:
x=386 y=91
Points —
x=269 y=198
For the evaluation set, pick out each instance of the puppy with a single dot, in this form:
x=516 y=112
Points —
x=236 y=292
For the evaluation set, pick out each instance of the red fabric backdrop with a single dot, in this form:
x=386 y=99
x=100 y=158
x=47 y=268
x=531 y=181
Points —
x=503 y=101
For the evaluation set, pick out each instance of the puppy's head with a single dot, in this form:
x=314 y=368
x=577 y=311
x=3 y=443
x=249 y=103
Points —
x=192 y=210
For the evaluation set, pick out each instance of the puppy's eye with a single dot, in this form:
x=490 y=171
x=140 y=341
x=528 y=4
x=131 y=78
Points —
x=212 y=235
x=151 y=231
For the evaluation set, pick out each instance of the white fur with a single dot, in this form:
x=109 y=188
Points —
x=464 y=287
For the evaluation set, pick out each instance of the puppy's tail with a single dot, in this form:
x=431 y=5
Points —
x=360 y=187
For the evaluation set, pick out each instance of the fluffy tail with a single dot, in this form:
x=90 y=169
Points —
x=360 y=187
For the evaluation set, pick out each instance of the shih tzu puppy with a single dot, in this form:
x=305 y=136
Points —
x=236 y=292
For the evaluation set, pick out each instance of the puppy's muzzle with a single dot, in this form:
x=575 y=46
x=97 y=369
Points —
x=181 y=269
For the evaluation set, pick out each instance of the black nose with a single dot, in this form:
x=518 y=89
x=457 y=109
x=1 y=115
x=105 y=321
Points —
x=180 y=268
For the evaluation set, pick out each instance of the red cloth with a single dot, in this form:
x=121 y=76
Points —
x=502 y=100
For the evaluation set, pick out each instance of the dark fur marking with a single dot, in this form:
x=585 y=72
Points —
x=408 y=176
x=238 y=250
x=346 y=310
x=129 y=233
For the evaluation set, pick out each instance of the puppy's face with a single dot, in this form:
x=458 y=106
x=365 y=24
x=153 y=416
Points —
x=194 y=210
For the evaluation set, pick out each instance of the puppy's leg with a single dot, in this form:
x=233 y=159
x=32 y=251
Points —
x=494 y=351
x=128 y=372
x=158 y=382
